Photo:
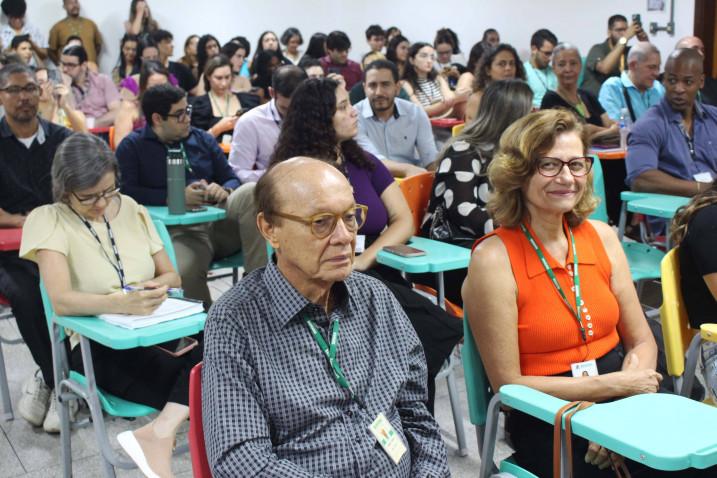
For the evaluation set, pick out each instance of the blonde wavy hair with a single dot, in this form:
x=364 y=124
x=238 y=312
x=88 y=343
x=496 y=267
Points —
x=684 y=215
x=521 y=145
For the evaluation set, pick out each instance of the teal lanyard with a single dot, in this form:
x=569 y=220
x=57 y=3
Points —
x=576 y=276
x=329 y=350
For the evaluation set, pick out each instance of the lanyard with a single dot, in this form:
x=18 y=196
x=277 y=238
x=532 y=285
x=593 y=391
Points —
x=187 y=166
x=576 y=277
x=117 y=267
x=329 y=350
x=690 y=143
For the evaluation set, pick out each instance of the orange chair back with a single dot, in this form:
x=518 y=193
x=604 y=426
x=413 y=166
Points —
x=417 y=191
x=200 y=464
x=112 y=138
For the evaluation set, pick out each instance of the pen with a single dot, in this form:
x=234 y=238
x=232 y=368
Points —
x=131 y=288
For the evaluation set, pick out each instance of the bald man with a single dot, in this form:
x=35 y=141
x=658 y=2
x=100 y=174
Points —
x=670 y=149
x=285 y=392
x=708 y=93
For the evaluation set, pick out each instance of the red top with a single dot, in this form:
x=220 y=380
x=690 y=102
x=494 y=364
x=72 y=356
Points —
x=549 y=337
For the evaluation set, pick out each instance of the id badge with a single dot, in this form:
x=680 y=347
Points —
x=703 y=177
x=585 y=369
x=360 y=243
x=387 y=437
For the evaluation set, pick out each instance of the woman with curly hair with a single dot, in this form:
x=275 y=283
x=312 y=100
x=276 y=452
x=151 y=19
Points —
x=321 y=124
x=424 y=85
x=694 y=229
x=499 y=63
x=207 y=47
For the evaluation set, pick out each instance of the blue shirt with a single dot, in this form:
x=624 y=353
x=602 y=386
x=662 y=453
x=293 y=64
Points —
x=612 y=97
x=143 y=163
x=271 y=406
x=406 y=137
x=657 y=141
x=540 y=81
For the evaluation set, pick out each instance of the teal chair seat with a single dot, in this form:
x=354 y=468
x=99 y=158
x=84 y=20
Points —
x=113 y=405
x=233 y=262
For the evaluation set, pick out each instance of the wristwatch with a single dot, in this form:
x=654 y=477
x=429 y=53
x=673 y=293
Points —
x=622 y=41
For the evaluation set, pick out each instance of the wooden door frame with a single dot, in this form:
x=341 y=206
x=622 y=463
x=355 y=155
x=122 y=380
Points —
x=704 y=27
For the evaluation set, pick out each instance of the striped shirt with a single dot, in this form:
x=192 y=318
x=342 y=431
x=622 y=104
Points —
x=271 y=406
x=428 y=91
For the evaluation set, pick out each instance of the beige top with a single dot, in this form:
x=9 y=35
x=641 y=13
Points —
x=57 y=228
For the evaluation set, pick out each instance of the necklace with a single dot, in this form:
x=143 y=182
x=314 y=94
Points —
x=215 y=103
x=579 y=106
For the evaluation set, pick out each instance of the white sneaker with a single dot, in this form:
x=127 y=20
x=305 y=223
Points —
x=52 y=419
x=34 y=400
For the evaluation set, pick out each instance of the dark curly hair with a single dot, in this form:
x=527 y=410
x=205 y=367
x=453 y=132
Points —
x=482 y=72
x=308 y=128
x=202 y=56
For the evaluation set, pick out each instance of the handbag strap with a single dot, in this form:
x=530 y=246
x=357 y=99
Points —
x=567 y=410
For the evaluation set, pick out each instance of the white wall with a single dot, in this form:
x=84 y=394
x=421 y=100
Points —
x=582 y=22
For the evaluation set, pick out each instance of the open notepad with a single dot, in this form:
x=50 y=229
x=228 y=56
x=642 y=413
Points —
x=170 y=309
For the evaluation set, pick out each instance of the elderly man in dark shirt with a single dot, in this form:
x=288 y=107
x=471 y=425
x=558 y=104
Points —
x=285 y=392
x=142 y=157
x=27 y=146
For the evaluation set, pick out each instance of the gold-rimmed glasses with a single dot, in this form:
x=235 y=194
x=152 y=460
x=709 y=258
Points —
x=323 y=224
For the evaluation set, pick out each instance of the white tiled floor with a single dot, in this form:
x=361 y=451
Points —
x=29 y=452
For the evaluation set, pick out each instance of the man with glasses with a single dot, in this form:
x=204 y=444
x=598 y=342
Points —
x=538 y=72
x=142 y=157
x=311 y=369
x=671 y=148
x=636 y=89
x=609 y=58
x=27 y=146
x=95 y=93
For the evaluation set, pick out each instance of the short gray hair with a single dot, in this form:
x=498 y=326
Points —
x=640 y=51
x=80 y=163
x=562 y=47
x=14 y=69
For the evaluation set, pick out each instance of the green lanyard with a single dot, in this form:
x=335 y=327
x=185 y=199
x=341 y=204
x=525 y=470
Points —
x=187 y=166
x=551 y=274
x=329 y=350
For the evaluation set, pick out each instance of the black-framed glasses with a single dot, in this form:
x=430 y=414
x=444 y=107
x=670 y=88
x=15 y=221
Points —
x=323 y=224
x=181 y=115
x=14 y=90
x=578 y=167
x=95 y=198
x=69 y=65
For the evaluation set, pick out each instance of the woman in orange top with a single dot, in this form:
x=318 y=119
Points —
x=533 y=326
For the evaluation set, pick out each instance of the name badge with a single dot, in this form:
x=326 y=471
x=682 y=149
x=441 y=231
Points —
x=226 y=138
x=387 y=437
x=360 y=243
x=585 y=369
x=703 y=177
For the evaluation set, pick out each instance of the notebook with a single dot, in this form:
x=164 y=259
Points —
x=170 y=309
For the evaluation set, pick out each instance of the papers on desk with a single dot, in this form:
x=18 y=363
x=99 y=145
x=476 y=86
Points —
x=170 y=309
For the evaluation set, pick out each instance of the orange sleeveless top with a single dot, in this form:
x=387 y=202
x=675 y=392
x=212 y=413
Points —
x=549 y=337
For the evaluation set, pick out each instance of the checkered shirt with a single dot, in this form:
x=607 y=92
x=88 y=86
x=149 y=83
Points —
x=271 y=406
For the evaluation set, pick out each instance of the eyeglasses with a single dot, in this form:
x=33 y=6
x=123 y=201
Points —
x=323 y=224
x=31 y=89
x=180 y=115
x=69 y=65
x=578 y=167
x=95 y=198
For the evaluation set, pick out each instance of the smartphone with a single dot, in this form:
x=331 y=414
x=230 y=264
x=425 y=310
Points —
x=404 y=251
x=184 y=345
x=198 y=209
x=335 y=69
x=636 y=18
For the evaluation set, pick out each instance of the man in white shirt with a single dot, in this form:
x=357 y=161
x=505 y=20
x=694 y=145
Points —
x=256 y=132
x=394 y=130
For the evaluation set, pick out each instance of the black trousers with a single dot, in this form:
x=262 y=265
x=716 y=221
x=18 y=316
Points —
x=437 y=330
x=143 y=375
x=20 y=284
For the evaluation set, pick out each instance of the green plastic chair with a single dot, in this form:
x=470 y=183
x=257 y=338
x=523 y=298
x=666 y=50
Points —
x=479 y=395
x=644 y=260
x=71 y=385
x=581 y=78
x=233 y=262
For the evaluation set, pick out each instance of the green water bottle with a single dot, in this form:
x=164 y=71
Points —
x=176 y=181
